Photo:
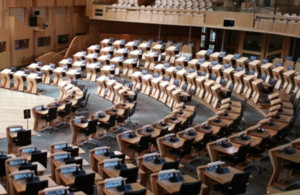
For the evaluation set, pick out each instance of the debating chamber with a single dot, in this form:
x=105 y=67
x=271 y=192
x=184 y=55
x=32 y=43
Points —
x=149 y=97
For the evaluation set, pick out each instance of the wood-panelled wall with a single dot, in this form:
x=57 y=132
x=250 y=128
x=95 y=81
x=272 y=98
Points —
x=20 y=31
x=61 y=27
x=81 y=43
x=5 y=56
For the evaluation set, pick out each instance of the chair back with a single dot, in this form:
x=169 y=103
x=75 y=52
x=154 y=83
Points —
x=144 y=142
x=85 y=183
x=263 y=145
x=52 y=114
x=184 y=87
x=86 y=100
x=2 y=166
x=222 y=132
x=136 y=92
x=163 y=132
x=24 y=138
x=132 y=111
x=32 y=167
x=126 y=113
x=73 y=151
x=176 y=82
x=138 y=192
x=171 y=165
x=190 y=188
x=241 y=155
x=165 y=78
x=131 y=174
x=187 y=146
x=119 y=156
x=239 y=182
x=39 y=157
x=68 y=109
x=200 y=145
x=130 y=85
x=177 y=127
x=33 y=188
x=112 y=120
x=92 y=127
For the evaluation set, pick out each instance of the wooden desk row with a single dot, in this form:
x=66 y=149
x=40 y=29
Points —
x=19 y=79
x=112 y=90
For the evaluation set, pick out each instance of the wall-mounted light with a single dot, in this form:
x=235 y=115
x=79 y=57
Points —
x=45 y=25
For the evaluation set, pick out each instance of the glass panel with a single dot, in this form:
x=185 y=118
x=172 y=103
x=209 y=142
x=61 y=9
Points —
x=43 y=41
x=248 y=55
x=21 y=44
x=211 y=46
x=230 y=50
x=212 y=37
x=253 y=41
x=203 y=30
x=62 y=39
x=202 y=44
x=275 y=43
x=232 y=37
x=272 y=57
x=2 y=47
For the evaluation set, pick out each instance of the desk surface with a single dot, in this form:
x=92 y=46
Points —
x=81 y=151
x=174 y=145
x=232 y=150
x=135 y=187
x=264 y=134
x=254 y=141
x=40 y=167
x=101 y=157
x=153 y=167
x=69 y=178
x=58 y=163
x=290 y=157
x=198 y=137
x=175 y=187
x=214 y=129
x=111 y=172
x=132 y=140
x=277 y=126
x=222 y=178
x=14 y=134
x=20 y=185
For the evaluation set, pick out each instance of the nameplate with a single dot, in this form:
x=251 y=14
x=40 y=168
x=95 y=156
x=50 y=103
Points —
x=111 y=164
x=77 y=120
x=165 y=176
x=15 y=129
x=113 y=184
x=98 y=152
x=149 y=158
x=17 y=162
x=39 y=108
x=212 y=168
x=60 y=146
x=28 y=150
x=56 y=192
x=69 y=170
x=60 y=157
x=23 y=176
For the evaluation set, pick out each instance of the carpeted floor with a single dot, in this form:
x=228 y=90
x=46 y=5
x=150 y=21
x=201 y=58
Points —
x=150 y=110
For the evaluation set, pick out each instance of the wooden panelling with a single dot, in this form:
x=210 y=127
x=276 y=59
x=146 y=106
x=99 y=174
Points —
x=263 y=24
x=5 y=56
x=279 y=26
x=43 y=13
x=80 y=24
x=43 y=3
x=79 y=10
x=80 y=43
x=61 y=27
x=63 y=2
x=293 y=28
x=244 y=20
x=59 y=11
x=48 y=32
x=51 y=57
x=79 y=2
x=20 y=31
x=18 y=13
x=19 y=3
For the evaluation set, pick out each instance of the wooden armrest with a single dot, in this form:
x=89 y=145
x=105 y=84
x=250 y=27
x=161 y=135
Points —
x=225 y=101
x=224 y=106
x=273 y=96
x=274 y=108
x=275 y=102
